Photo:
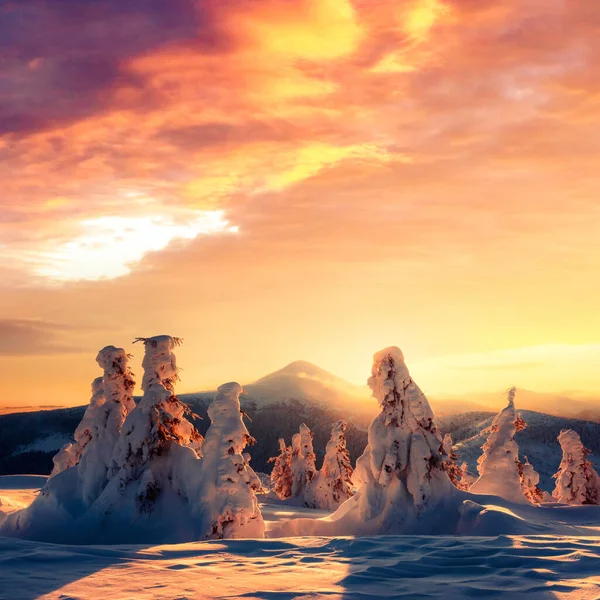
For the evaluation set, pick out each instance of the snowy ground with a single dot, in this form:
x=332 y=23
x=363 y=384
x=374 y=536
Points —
x=312 y=567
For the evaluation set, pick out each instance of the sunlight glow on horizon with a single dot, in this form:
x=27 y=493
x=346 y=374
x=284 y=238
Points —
x=107 y=247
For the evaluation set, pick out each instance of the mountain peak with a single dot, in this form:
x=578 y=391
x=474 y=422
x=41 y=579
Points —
x=303 y=367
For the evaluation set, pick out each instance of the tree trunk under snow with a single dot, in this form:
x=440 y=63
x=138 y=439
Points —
x=497 y=466
x=227 y=505
x=577 y=482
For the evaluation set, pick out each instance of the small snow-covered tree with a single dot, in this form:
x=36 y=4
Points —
x=227 y=505
x=70 y=454
x=529 y=482
x=281 y=476
x=157 y=423
x=332 y=485
x=458 y=474
x=577 y=482
x=497 y=466
x=302 y=461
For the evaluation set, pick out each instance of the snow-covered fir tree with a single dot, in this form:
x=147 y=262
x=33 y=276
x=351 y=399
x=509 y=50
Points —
x=332 y=485
x=302 y=461
x=97 y=433
x=458 y=474
x=400 y=474
x=529 y=482
x=96 y=466
x=577 y=482
x=158 y=422
x=227 y=505
x=281 y=476
x=498 y=465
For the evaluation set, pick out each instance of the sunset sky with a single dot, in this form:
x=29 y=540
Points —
x=274 y=180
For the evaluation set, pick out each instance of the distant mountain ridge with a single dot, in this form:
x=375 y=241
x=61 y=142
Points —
x=302 y=392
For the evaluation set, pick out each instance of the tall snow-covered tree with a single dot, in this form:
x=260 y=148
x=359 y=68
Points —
x=158 y=423
x=400 y=474
x=302 y=461
x=333 y=483
x=498 y=465
x=529 y=482
x=577 y=482
x=96 y=466
x=96 y=435
x=160 y=418
x=227 y=505
x=281 y=476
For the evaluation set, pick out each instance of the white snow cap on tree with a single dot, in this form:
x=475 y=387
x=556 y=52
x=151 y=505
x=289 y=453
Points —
x=333 y=484
x=281 y=475
x=400 y=473
x=577 y=482
x=529 y=482
x=302 y=461
x=160 y=363
x=497 y=466
x=227 y=505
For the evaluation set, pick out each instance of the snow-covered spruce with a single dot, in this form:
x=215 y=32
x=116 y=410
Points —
x=148 y=499
x=458 y=474
x=96 y=466
x=96 y=434
x=497 y=466
x=529 y=482
x=332 y=485
x=403 y=487
x=577 y=482
x=227 y=505
x=302 y=462
x=83 y=469
x=160 y=418
x=281 y=475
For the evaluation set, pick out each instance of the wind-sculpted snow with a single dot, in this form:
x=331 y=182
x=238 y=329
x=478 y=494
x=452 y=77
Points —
x=516 y=567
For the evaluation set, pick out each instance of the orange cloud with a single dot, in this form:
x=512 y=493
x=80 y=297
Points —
x=423 y=171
